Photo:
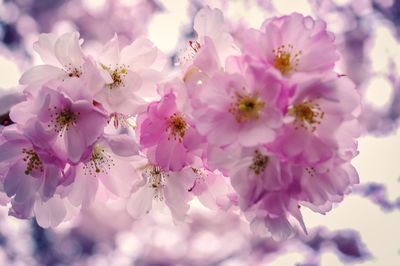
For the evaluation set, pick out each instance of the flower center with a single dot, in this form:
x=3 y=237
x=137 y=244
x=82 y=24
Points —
x=156 y=177
x=307 y=115
x=72 y=71
x=286 y=60
x=246 y=107
x=259 y=163
x=63 y=119
x=32 y=160
x=99 y=162
x=117 y=76
x=177 y=126
x=310 y=171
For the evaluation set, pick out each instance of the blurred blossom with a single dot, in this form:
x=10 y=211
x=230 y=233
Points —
x=217 y=239
x=377 y=194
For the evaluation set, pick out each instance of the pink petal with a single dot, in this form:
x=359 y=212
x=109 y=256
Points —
x=122 y=145
x=50 y=213
x=171 y=154
x=75 y=144
x=41 y=74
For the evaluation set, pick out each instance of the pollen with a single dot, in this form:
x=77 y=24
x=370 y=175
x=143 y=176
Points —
x=308 y=115
x=32 y=160
x=189 y=53
x=100 y=161
x=117 y=74
x=310 y=171
x=72 y=71
x=246 y=107
x=62 y=119
x=177 y=127
x=259 y=163
x=286 y=60
x=195 y=45
x=157 y=178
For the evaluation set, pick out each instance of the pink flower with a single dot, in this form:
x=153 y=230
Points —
x=256 y=172
x=320 y=121
x=129 y=74
x=263 y=132
x=58 y=124
x=162 y=186
x=271 y=216
x=238 y=109
x=320 y=186
x=291 y=44
x=107 y=172
x=32 y=174
x=167 y=134
x=209 y=24
x=212 y=188
x=62 y=56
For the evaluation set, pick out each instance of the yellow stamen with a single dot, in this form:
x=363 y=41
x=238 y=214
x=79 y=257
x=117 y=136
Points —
x=259 y=163
x=285 y=60
x=307 y=115
x=99 y=162
x=177 y=126
x=246 y=107
x=32 y=160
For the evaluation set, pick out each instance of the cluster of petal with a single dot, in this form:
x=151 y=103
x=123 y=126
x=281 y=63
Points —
x=278 y=121
x=258 y=124
x=72 y=141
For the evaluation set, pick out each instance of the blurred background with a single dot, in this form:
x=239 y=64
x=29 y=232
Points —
x=363 y=230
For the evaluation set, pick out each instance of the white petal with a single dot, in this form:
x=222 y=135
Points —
x=41 y=74
x=140 y=202
x=68 y=50
x=45 y=48
x=139 y=55
x=208 y=22
x=110 y=55
x=83 y=190
x=50 y=213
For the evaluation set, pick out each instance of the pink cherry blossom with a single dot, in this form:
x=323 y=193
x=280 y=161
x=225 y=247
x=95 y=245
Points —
x=167 y=134
x=56 y=123
x=209 y=24
x=162 y=186
x=129 y=74
x=238 y=110
x=62 y=57
x=260 y=132
x=290 y=44
x=33 y=174
x=272 y=215
x=319 y=120
x=320 y=186
x=212 y=188
x=108 y=172
x=256 y=173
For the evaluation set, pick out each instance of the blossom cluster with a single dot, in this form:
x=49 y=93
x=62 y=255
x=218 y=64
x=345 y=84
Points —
x=257 y=123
